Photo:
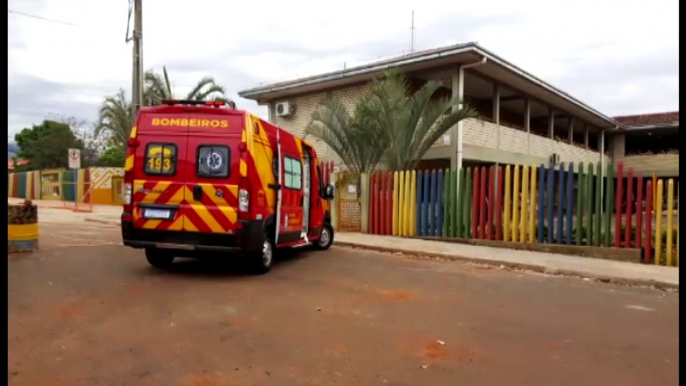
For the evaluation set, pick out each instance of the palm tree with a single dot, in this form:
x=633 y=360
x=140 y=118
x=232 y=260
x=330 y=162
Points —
x=355 y=138
x=413 y=123
x=115 y=118
x=158 y=87
x=388 y=123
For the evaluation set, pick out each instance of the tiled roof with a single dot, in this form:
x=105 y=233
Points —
x=655 y=119
x=10 y=163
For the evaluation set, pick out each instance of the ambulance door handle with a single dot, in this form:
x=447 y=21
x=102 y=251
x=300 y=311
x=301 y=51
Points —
x=197 y=193
x=302 y=200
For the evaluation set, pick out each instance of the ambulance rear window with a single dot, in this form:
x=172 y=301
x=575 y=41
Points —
x=213 y=161
x=160 y=159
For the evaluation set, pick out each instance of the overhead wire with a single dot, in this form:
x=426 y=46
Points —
x=41 y=18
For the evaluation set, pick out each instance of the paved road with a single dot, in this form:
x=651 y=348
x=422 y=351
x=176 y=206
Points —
x=86 y=311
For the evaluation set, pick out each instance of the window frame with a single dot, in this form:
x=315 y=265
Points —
x=147 y=157
x=286 y=173
x=197 y=159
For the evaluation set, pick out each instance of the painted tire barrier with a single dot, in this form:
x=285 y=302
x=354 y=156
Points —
x=22 y=227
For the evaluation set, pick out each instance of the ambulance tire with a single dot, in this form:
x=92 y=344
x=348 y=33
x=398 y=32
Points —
x=158 y=258
x=261 y=262
x=326 y=239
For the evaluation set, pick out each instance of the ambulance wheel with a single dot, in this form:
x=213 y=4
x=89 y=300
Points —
x=262 y=261
x=325 y=239
x=158 y=258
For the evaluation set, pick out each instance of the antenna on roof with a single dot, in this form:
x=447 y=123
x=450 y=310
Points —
x=412 y=34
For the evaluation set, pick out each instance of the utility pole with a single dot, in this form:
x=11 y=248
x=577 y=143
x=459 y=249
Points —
x=412 y=34
x=137 y=89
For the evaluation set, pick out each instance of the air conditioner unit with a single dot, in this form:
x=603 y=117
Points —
x=554 y=159
x=285 y=109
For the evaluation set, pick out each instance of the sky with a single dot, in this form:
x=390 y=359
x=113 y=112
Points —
x=619 y=57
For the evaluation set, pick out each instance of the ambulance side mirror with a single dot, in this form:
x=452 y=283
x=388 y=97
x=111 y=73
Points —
x=329 y=192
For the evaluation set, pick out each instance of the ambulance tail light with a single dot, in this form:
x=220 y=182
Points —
x=243 y=199
x=133 y=143
x=128 y=195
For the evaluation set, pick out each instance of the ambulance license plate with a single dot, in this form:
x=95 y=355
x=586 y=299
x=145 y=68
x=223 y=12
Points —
x=157 y=214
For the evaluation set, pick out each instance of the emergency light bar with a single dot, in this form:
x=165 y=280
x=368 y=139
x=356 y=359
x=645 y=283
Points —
x=172 y=102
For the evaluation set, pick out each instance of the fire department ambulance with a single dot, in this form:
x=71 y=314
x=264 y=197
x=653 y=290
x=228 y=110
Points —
x=201 y=178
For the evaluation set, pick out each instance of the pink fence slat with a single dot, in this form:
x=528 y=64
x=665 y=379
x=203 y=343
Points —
x=491 y=203
x=639 y=211
x=475 y=203
x=619 y=200
x=482 y=203
x=649 y=223
x=629 y=203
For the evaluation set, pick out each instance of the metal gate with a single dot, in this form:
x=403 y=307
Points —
x=51 y=185
x=349 y=208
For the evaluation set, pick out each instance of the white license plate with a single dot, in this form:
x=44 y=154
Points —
x=159 y=214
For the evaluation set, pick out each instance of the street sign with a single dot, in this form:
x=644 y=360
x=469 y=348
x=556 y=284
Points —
x=74 y=159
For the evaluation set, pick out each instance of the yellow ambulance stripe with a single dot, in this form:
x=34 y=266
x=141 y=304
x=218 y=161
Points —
x=152 y=224
x=129 y=163
x=177 y=225
x=188 y=225
x=221 y=203
x=205 y=215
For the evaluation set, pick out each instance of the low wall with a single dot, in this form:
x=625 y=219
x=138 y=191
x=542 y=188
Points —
x=22 y=227
x=100 y=186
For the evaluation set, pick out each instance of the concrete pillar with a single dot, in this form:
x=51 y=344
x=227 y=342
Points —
x=551 y=123
x=496 y=113
x=458 y=130
x=365 y=188
x=570 y=134
x=527 y=123
x=272 y=113
x=586 y=136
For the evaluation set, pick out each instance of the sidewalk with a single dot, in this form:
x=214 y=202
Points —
x=616 y=271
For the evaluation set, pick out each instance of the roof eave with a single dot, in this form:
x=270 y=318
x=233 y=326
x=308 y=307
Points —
x=256 y=93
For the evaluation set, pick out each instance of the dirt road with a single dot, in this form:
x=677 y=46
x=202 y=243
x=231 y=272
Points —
x=86 y=311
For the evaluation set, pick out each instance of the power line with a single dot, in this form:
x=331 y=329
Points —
x=41 y=18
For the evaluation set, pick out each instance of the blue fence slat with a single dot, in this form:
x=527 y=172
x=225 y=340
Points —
x=551 y=202
x=541 y=198
x=560 y=204
x=420 y=204
x=432 y=203
x=425 y=203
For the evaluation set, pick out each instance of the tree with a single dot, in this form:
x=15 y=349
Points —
x=412 y=123
x=113 y=156
x=115 y=119
x=45 y=146
x=389 y=120
x=158 y=87
x=355 y=138
x=84 y=130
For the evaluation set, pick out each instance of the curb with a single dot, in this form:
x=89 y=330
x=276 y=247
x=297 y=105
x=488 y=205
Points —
x=520 y=266
x=95 y=220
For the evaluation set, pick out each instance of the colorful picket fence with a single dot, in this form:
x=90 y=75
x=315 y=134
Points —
x=570 y=204
x=24 y=185
x=76 y=186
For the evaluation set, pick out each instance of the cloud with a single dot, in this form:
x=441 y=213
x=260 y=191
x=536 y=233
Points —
x=619 y=57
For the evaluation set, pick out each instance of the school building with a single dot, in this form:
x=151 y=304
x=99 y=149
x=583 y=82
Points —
x=523 y=120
